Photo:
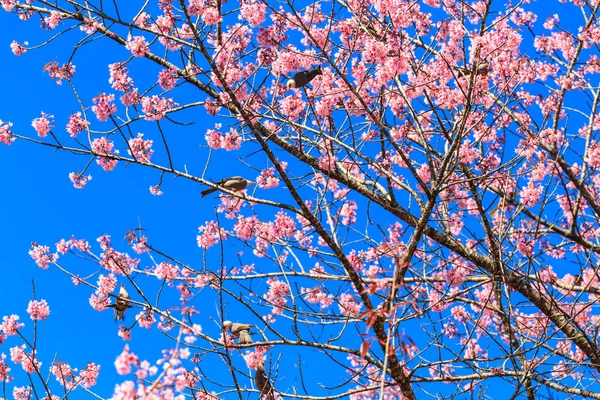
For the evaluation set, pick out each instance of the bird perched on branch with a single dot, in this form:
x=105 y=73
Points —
x=482 y=69
x=121 y=304
x=240 y=331
x=235 y=183
x=303 y=78
x=262 y=383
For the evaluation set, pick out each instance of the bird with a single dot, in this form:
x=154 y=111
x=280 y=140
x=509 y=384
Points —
x=262 y=383
x=482 y=69
x=240 y=331
x=501 y=206
x=121 y=304
x=235 y=183
x=303 y=78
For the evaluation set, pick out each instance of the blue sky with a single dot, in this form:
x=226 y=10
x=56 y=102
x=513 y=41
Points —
x=40 y=204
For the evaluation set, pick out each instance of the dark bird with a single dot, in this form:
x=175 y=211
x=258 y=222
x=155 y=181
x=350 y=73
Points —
x=240 y=331
x=262 y=383
x=121 y=304
x=235 y=183
x=303 y=78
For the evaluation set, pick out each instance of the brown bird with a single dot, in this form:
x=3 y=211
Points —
x=303 y=78
x=501 y=206
x=235 y=183
x=262 y=383
x=240 y=331
x=121 y=304
x=482 y=69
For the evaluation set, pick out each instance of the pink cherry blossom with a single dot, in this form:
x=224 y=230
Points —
x=201 y=280
x=137 y=45
x=142 y=20
x=145 y=318
x=293 y=106
x=213 y=138
x=57 y=73
x=124 y=333
x=276 y=296
x=551 y=22
x=253 y=11
x=125 y=390
x=348 y=212
x=10 y=325
x=156 y=108
x=17 y=353
x=106 y=284
x=52 y=21
x=104 y=106
x=132 y=98
x=17 y=48
x=62 y=247
x=119 y=78
x=89 y=27
x=4 y=370
x=255 y=357
x=38 y=310
x=317 y=296
x=22 y=393
x=166 y=271
x=43 y=125
x=348 y=305
x=41 y=256
x=117 y=262
x=27 y=361
x=195 y=7
x=211 y=16
x=473 y=350
x=104 y=241
x=102 y=147
x=141 y=245
x=125 y=361
x=89 y=375
x=284 y=226
x=99 y=303
x=530 y=194
x=450 y=330
x=6 y=135
x=76 y=124
x=63 y=374
x=232 y=140
x=8 y=5
x=267 y=179
x=231 y=206
x=142 y=149
x=210 y=234
x=155 y=190
x=79 y=180
x=167 y=78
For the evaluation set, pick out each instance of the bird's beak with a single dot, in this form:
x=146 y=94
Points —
x=251 y=183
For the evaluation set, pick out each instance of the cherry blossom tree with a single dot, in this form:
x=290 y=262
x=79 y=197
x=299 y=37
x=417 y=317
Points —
x=425 y=220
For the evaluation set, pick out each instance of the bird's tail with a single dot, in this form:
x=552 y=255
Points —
x=245 y=338
x=119 y=315
x=208 y=191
